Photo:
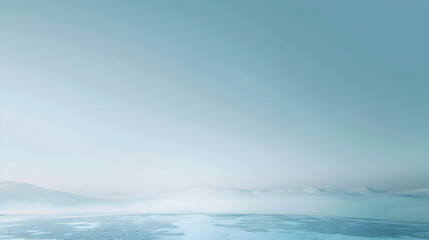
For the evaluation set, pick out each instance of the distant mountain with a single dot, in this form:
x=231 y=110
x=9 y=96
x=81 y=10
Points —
x=363 y=192
x=413 y=205
x=419 y=193
x=19 y=192
x=212 y=192
x=25 y=193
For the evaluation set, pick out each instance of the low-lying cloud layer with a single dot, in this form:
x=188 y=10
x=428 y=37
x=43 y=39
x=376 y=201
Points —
x=412 y=205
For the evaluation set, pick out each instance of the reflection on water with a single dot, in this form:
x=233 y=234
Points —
x=205 y=227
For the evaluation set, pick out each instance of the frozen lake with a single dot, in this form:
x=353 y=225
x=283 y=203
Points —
x=141 y=226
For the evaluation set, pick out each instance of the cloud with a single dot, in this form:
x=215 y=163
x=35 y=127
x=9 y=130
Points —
x=359 y=202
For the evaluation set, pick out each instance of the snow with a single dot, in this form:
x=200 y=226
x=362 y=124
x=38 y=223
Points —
x=420 y=193
x=363 y=202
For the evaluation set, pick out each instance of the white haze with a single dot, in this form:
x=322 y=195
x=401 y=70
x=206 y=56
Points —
x=361 y=202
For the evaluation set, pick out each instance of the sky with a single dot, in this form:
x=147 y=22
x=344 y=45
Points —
x=145 y=96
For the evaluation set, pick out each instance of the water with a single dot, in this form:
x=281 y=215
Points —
x=138 y=226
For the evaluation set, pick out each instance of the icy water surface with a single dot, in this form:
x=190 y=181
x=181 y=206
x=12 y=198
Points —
x=205 y=227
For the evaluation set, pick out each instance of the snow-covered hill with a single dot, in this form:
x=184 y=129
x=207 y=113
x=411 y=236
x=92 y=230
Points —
x=419 y=193
x=355 y=202
x=13 y=193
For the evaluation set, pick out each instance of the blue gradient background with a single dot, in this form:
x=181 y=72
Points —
x=135 y=96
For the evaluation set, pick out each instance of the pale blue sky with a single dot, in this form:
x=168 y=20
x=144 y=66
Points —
x=163 y=95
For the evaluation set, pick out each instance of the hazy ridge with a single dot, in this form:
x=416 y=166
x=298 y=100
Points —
x=413 y=205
